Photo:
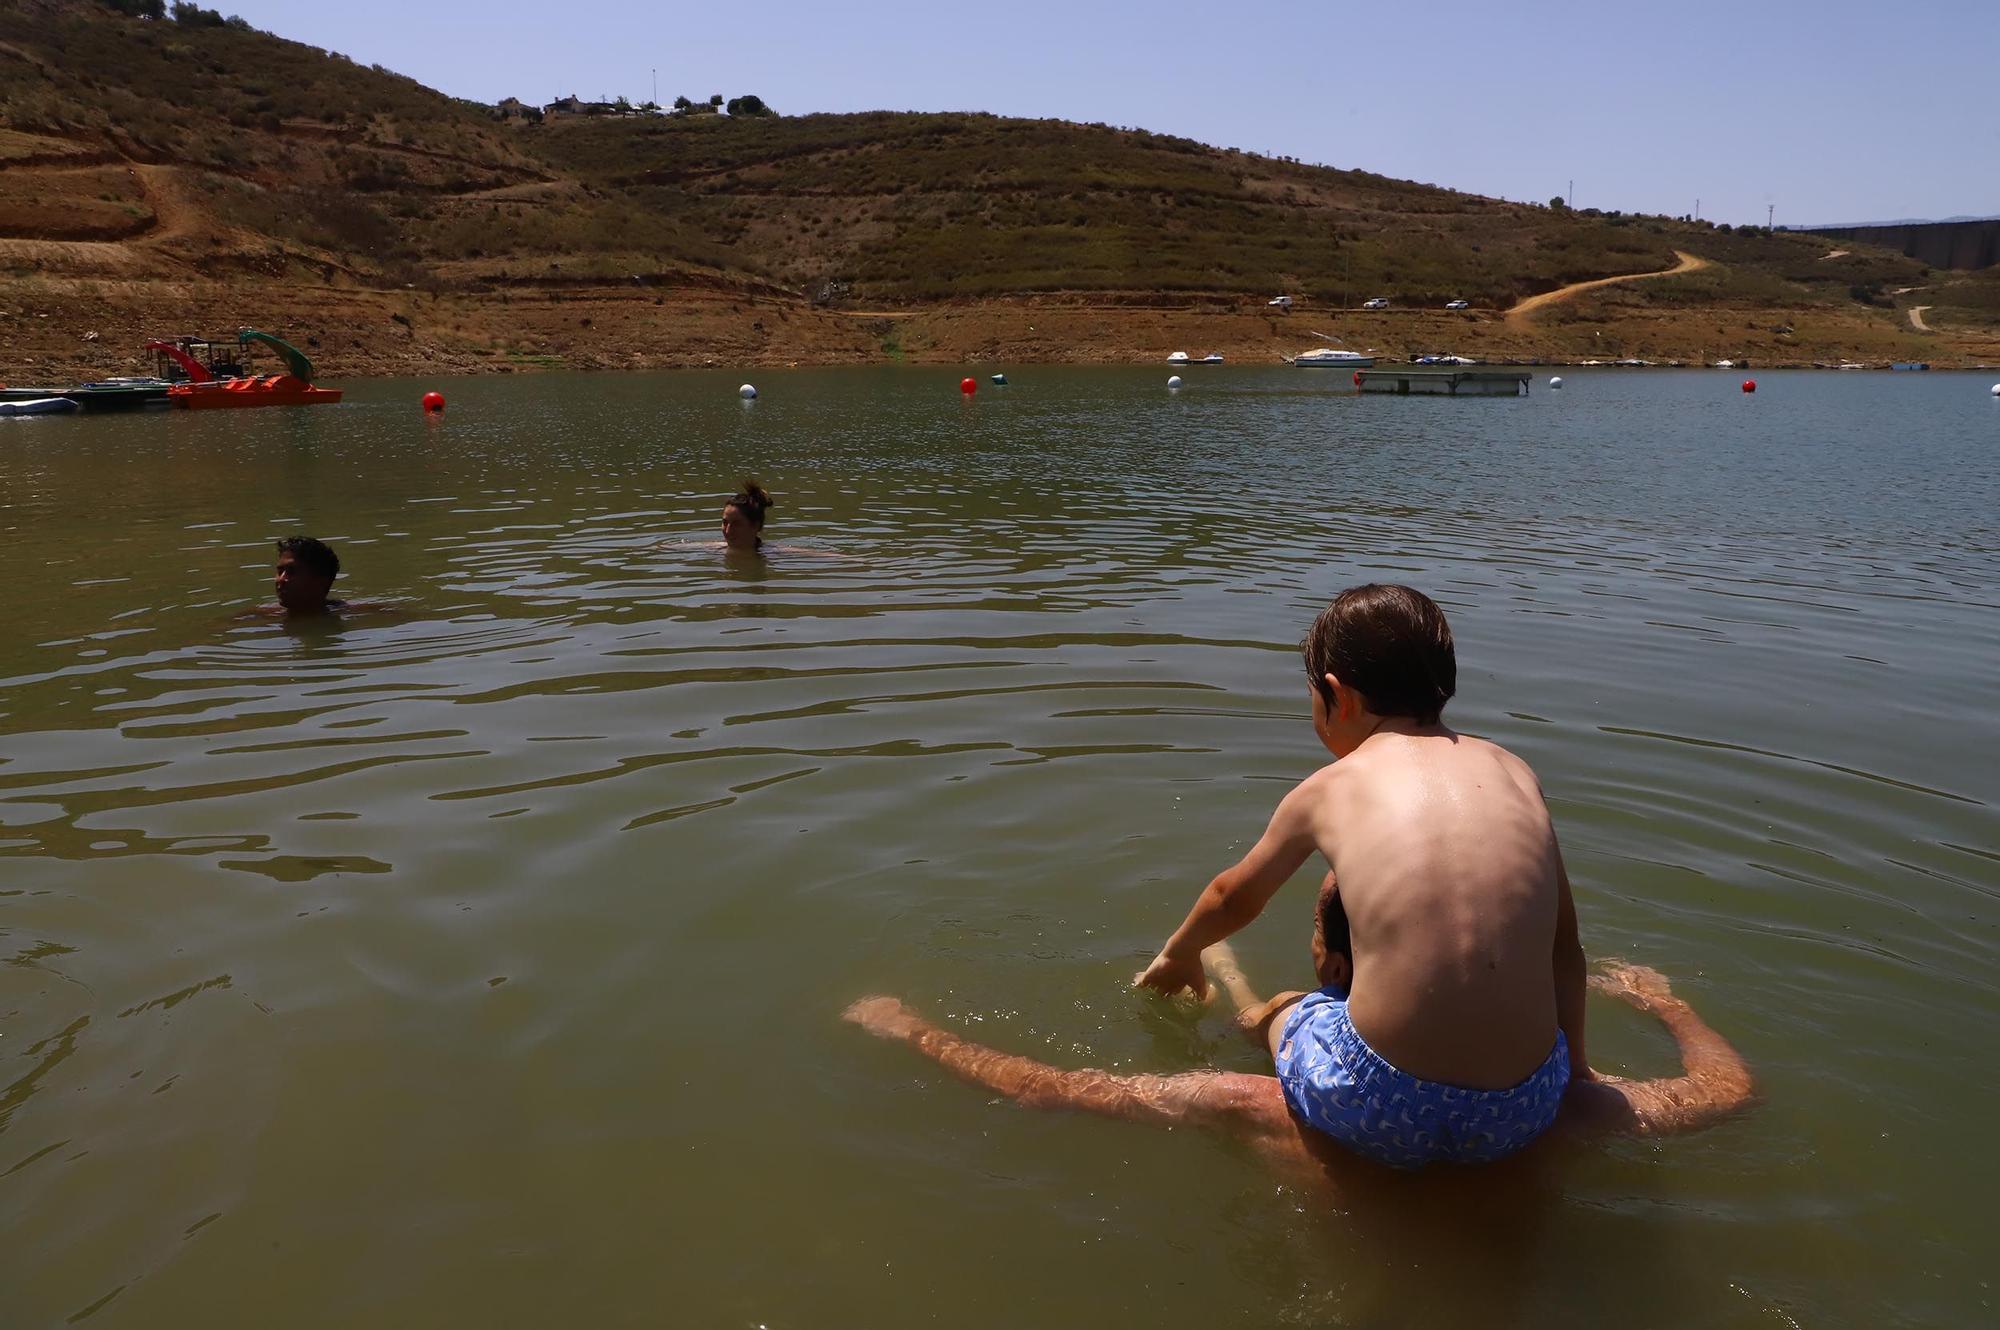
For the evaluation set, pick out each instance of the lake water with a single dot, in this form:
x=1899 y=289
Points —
x=478 y=962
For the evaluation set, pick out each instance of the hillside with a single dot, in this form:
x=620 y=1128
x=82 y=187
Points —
x=158 y=176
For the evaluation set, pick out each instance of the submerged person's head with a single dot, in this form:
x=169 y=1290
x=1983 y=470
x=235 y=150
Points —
x=1378 y=652
x=305 y=573
x=743 y=517
x=1333 y=947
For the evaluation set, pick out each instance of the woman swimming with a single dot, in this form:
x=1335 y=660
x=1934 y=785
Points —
x=743 y=518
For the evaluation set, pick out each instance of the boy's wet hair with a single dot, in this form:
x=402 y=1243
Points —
x=1389 y=643
x=752 y=502
x=1333 y=930
x=315 y=556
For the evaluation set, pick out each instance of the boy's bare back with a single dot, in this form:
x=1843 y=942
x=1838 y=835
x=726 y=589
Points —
x=1447 y=864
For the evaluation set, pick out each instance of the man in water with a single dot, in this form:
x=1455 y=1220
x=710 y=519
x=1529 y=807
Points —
x=305 y=573
x=1714 y=1082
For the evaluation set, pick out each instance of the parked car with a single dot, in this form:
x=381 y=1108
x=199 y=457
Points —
x=1279 y=302
x=1458 y=304
x=1379 y=302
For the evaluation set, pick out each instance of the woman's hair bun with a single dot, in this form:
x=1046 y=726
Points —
x=753 y=501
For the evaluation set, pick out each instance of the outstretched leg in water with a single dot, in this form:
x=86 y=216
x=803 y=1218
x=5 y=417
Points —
x=1225 y=1099
x=1714 y=1082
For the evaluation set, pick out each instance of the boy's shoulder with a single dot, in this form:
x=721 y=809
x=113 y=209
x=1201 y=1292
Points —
x=1311 y=796
x=1465 y=749
x=1514 y=764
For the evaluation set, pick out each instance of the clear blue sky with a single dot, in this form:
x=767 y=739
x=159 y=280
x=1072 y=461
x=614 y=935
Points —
x=1836 y=111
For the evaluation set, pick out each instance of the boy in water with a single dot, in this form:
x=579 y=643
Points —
x=1463 y=1024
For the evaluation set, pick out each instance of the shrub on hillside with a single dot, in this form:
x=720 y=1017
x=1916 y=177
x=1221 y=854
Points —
x=194 y=16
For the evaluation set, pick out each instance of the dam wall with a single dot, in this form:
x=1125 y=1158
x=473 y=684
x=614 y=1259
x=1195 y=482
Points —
x=1965 y=245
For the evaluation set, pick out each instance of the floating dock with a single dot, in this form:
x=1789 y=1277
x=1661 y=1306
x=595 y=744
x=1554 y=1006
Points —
x=96 y=396
x=1445 y=382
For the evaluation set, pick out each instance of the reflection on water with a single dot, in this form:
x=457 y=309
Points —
x=478 y=959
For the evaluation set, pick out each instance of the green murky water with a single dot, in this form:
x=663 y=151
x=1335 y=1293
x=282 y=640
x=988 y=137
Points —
x=478 y=963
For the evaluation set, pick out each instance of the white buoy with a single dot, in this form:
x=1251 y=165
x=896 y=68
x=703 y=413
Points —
x=1000 y=379
x=1996 y=390
x=1555 y=380
x=1174 y=381
x=747 y=392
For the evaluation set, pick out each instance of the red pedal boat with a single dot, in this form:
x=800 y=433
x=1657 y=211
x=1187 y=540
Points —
x=293 y=389
x=264 y=390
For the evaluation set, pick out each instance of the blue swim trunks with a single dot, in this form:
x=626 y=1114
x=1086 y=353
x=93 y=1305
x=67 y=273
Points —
x=1334 y=1082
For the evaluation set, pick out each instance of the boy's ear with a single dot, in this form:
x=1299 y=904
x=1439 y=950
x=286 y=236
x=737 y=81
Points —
x=1343 y=696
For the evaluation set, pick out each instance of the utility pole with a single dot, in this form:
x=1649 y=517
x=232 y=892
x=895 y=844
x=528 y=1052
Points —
x=1572 y=193
x=656 y=87
x=1697 y=210
x=1769 y=210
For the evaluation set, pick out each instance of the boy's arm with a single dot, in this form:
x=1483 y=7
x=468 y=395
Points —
x=1237 y=895
x=1569 y=974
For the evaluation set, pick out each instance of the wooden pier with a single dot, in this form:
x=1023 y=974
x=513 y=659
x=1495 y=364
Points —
x=1445 y=382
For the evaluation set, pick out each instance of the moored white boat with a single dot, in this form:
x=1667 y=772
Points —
x=37 y=406
x=1328 y=358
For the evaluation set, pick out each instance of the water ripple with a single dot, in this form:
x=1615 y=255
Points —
x=1016 y=677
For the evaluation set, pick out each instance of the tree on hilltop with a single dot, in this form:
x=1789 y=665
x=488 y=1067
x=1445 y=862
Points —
x=748 y=104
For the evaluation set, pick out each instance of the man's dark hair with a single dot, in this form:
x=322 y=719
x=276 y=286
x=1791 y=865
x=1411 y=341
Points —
x=315 y=555
x=1389 y=643
x=1333 y=928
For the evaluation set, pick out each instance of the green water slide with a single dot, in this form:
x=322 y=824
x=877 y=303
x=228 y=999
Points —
x=295 y=359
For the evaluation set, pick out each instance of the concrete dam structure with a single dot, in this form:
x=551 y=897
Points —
x=1965 y=245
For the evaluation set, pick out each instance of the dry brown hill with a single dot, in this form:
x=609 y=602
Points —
x=158 y=175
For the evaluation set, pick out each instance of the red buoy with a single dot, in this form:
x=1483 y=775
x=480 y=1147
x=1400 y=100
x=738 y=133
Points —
x=1749 y=385
x=1357 y=378
x=968 y=386
x=433 y=403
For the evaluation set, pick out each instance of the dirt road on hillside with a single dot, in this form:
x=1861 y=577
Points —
x=1519 y=313
x=1917 y=318
x=178 y=216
